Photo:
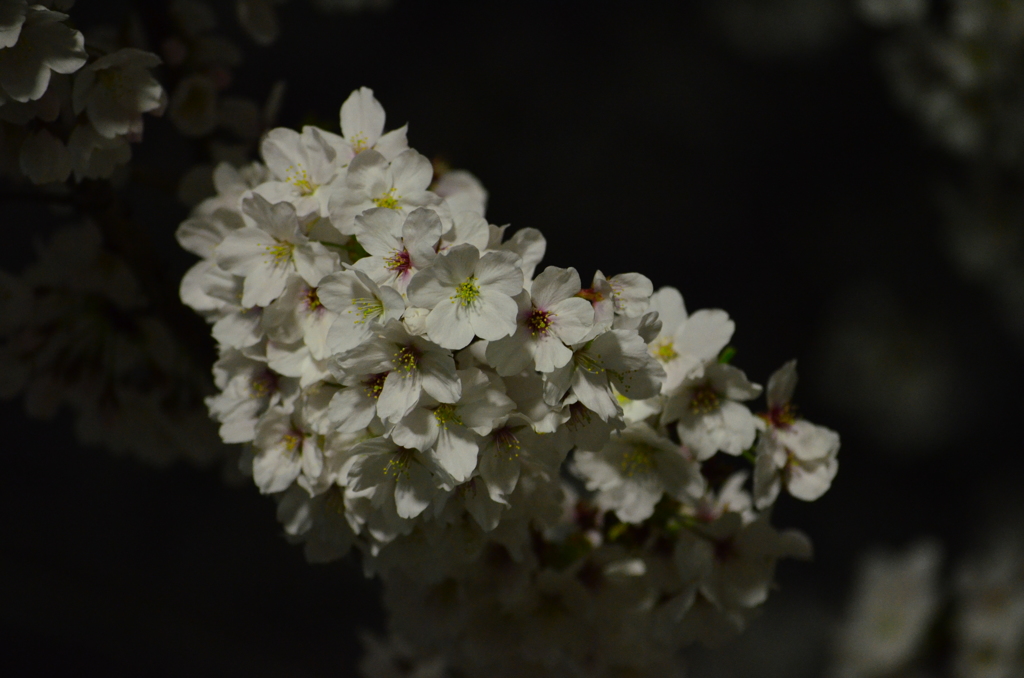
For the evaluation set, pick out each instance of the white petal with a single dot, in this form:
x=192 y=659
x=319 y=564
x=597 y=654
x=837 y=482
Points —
x=456 y=452
x=449 y=325
x=492 y=316
x=362 y=118
x=412 y=491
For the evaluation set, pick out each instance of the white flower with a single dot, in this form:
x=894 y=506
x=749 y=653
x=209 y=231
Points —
x=626 y=294
x=115 y=90
x=398 y=247
x=895 y=599
x=270 y=252
x=44 y=45
x=635 y=469
x=258 y=19
x=303 y=166
x=450 y=432
x=508 y=447
x=94 y=156
x=586 y=429
x=631 y=293
x=616 y=361
x=193 y=106
x=730 y=498
x=462 y=191
x=686 y=343
x=402 y=480
x=12 y=18
x=528 y=243
x=639 y=410
x=248 y=388
x=285 y=451
x=412 y=365
x=203 y=231
x=527 y=390
x=550 y=316
x=296 y=360
x=372 y=181
x=362 y=128
x=648 y=325
x=467 y=227
x=354 y=406
x=319 y=523
x=216 y=294
x=232 y=184
x=360 y=305
x=710 y=418
x=468 y=295
x=736 y=559
x=299 y=315
x=792 y=451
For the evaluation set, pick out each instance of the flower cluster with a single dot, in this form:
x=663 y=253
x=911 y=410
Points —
x=904 y=615
x=78 y=332
x=65 y=111
x=408 y=380
x=958 y=71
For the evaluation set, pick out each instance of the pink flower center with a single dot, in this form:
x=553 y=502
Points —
x=398 y=262
x=780 y=417
x=539 y=322
x=312 y=300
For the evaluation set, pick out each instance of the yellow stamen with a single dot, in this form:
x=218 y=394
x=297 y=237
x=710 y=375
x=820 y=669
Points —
x=666 y=352
x=638 y=459
x=407 y=359
x=704 y=400
x=467 y=292
x=445 y=413
x=388 y=200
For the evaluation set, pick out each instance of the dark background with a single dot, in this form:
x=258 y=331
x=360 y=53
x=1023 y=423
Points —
x=779 y=184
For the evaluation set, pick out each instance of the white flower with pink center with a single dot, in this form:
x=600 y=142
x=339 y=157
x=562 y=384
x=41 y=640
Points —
x=625 y=295
x=413 y=365
x=398 y=246
x=299 y=315
x=792 y=452
x=285 y=452
x=450 y=432
x=248 y=388
x=709 y=414
x=550 y=316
